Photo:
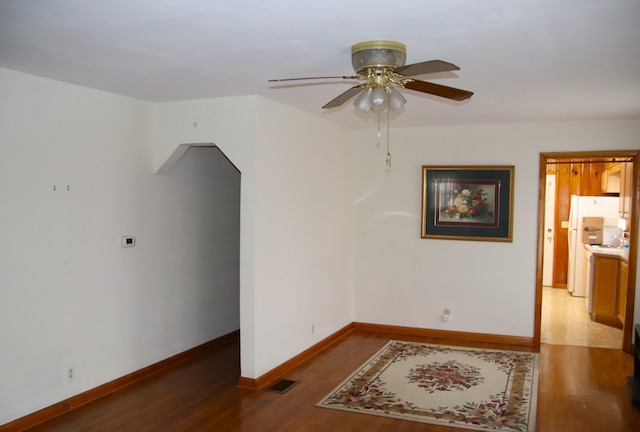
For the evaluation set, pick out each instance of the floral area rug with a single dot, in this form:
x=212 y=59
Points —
x=469 y=388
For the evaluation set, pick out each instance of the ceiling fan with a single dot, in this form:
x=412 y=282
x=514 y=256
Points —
x=380 y=65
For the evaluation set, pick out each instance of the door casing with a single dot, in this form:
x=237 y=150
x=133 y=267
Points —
x=634 y=155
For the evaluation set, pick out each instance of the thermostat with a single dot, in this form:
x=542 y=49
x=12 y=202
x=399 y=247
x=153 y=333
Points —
x=127 y=241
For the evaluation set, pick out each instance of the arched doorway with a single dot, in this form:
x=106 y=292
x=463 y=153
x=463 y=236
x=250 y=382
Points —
x=203 y=232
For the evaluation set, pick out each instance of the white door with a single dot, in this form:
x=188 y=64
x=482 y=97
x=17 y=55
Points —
x=549 y=230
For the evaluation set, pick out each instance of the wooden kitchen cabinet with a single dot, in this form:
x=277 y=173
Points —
x=605 y=290
x=623 y=275
x=610 y=179
x=626 y=177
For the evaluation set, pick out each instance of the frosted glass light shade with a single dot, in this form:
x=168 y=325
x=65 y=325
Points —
x=396 y=100
x=379 y=99
x=363 y=101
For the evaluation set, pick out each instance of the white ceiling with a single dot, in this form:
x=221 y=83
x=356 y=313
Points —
x=525 y=60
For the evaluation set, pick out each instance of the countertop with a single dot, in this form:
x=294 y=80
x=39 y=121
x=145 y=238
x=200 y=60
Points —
x=619 y=252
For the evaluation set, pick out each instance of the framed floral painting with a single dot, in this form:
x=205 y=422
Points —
x=468 y=202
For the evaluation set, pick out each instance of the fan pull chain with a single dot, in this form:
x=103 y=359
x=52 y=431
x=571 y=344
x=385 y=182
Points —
x=388 y=161
x=378 y=129
x=388 y=141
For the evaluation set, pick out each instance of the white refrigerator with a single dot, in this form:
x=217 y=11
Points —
x=582 y=206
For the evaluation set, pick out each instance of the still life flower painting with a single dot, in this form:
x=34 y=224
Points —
x=467 y=202
x=470 y=202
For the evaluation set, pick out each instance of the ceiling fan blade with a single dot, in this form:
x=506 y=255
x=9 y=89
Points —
x=438 y=90
x=426 y=67
x=312 y=78
x=342 y=98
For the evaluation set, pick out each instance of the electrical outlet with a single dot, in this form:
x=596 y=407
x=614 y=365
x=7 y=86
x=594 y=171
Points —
x=446 y=315
x=313 y=329
x=71 y=374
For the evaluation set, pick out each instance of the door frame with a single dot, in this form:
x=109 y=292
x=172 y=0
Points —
x=634 y=155
x=550 y=267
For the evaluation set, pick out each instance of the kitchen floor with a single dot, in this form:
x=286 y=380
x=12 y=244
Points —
x=565 y=321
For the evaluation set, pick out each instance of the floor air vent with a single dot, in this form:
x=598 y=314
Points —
x=282 y=386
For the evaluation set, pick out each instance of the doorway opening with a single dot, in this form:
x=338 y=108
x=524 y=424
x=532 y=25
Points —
x=203 y=229
x=556 y=309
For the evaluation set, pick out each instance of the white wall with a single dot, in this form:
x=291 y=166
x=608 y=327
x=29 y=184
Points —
x=327 y=235
x=69 y=294
x=303 y=231
x=296 y=246
x=404 y=280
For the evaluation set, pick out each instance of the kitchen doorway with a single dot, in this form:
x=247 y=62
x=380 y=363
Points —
x=556 y=310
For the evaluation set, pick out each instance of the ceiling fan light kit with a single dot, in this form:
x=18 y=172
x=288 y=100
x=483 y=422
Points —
x=374 y=62
x=380 y=66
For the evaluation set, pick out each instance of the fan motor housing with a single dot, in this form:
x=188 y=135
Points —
x=378 y=54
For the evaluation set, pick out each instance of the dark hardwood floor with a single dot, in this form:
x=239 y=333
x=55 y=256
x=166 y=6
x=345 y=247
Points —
x=580 y=389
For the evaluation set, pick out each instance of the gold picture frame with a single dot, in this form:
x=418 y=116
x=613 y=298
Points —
x=472 y=202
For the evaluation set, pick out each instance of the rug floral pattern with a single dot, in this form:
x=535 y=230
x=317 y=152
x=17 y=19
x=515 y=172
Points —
x=468 y=388
x=445 y=376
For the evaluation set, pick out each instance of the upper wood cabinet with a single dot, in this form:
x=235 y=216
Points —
x=616 y=178
x=626 y=177
x=610 y=179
